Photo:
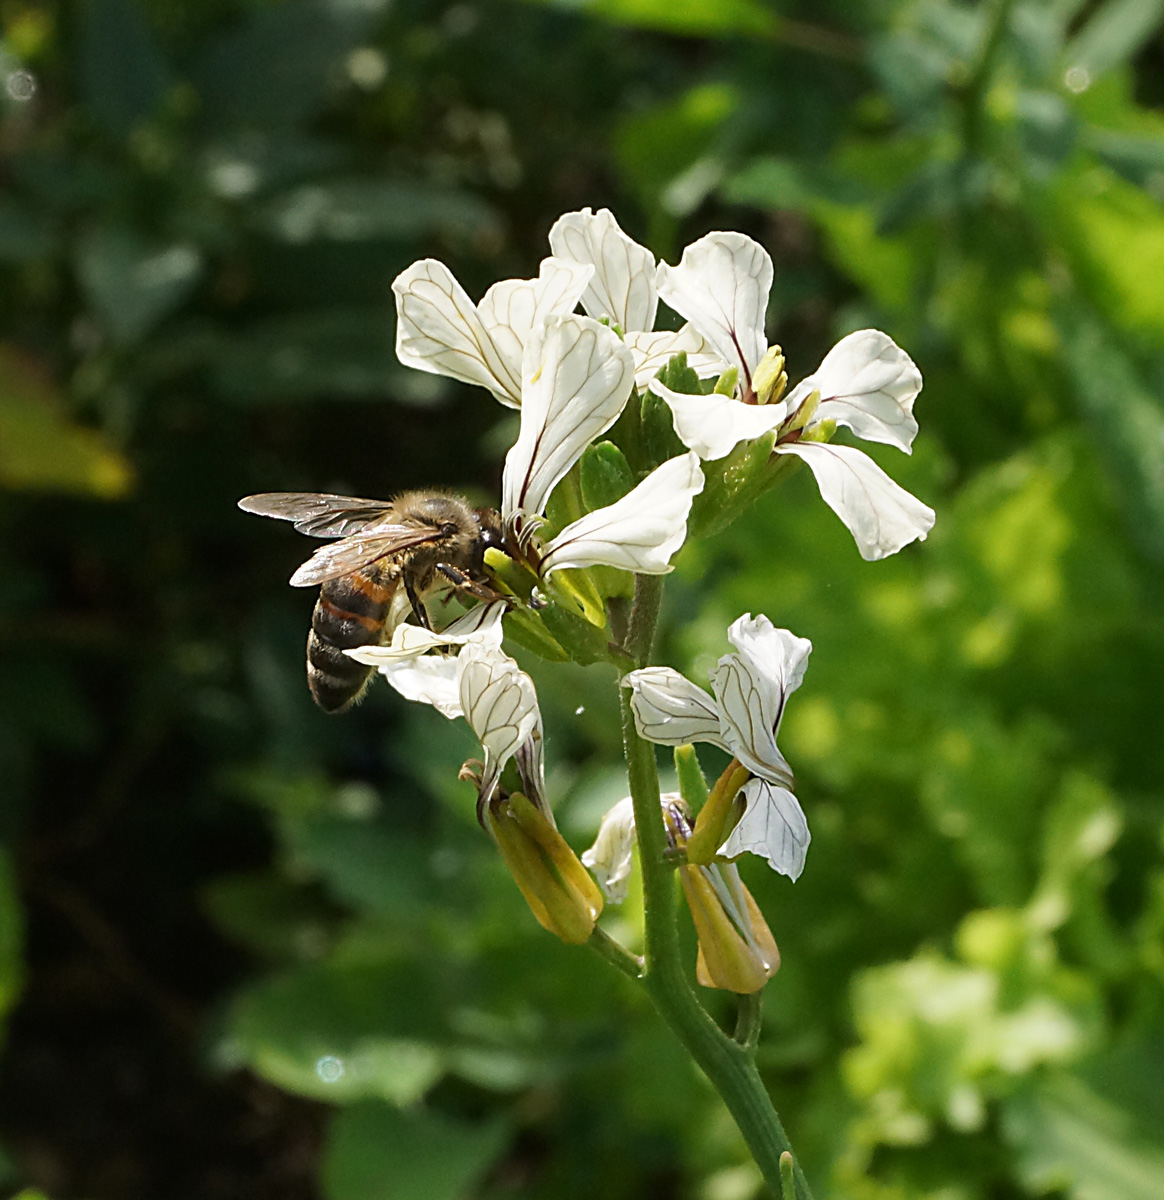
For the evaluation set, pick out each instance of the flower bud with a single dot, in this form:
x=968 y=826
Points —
x=770 y=378
x=559 y=891
x=736 y=949
x=717 y=817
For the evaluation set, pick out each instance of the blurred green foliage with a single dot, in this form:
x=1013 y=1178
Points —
x=204 y=207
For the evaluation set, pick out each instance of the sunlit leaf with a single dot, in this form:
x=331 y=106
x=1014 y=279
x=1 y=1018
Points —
x=41 y=448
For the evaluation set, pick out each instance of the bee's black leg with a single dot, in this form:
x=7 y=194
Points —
x=415 y=601
x=466 y=583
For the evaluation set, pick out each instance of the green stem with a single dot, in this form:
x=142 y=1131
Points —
x=616 y=954
x=749 y=1019
x=728 y=1064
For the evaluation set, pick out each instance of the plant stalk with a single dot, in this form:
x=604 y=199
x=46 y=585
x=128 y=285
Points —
x=728 y=1064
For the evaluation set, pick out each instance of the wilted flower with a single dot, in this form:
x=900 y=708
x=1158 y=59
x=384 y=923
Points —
x=743 y=716
x=866 y=382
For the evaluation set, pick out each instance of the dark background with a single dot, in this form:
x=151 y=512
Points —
x=250 y=951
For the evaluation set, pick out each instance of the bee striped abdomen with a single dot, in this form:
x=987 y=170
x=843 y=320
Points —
x=351 y=611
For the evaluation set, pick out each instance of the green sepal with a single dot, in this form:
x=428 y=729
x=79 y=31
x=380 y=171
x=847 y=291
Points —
x=692 y=785
x=732 y=483
x=677 y=376
x=575 y=587
x=527 y=631
x=725 y=385
x=660 y=441
x=605 y=475
x=627 y=433
x=583 y=642
x=565 y=504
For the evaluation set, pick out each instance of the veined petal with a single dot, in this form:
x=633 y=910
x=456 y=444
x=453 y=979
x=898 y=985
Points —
x=623 y=287
x=611 y=857
x=500 y=704
x=778 y=654
x=480 y=624
x=773 y=826
x=653 y=351
x=671 y=710
x=721 y=286
x=576 y=377
x=641 y=532
x=868 y=383
x=881 y=516
x=750 y=704
x=439 y=330
x=713 y=425
x=431 y=679
x=512 y=309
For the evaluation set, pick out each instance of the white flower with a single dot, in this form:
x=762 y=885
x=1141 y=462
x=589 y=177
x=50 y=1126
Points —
x=866 y=382
x=624 y=291
x=577 y=376
x=750 y=689
x=480 y=683
x=611 y=857
x=440 y=330
x=641 y=532
x=501 y=707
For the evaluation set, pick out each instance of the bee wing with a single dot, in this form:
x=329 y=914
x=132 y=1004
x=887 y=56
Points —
x=318 y=514
x=360 y=550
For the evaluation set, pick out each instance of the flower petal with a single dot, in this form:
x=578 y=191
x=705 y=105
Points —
x=576 y=378
x=512 y=309
x=750 y=704
x=623 y=287
x=778 y=654
x=641 y=532
x=500 y=704
x=721 y=286
x=881 y=516
x=671 y=710
x=611 y=857
x=653 y=351
x=479 y=624
x=773 y=826
x=431 y=679
x=868 y=383
x=713 y=425
x=439 y=330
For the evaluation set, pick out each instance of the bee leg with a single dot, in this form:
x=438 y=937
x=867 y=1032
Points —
x=415 y=601
x=466 y=583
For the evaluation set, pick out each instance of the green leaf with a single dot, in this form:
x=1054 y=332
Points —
x=375 y=1152
x=268 y=914
x=354 y=210
x=133 y=283
x=697 y=18
x=41 y=449
x=1124 y=417
x=11 y=937
x=342 y=1032
x=1113 y=35
x=1070 y=1138
x=123 y=74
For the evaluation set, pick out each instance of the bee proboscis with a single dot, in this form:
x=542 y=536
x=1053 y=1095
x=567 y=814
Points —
x=421 y=541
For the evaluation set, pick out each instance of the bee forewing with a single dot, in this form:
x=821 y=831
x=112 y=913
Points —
x=359 y=550
x=318 y=514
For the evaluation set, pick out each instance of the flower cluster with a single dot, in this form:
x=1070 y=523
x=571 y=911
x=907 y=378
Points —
x=574 y=505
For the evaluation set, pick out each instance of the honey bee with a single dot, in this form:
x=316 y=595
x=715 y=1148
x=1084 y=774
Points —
x=421 y=540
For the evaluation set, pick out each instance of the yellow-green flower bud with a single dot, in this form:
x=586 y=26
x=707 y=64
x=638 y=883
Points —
x=717 y=817
x=770 y=378
x=725 y=385
x=727 y=958
x=558 y=889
